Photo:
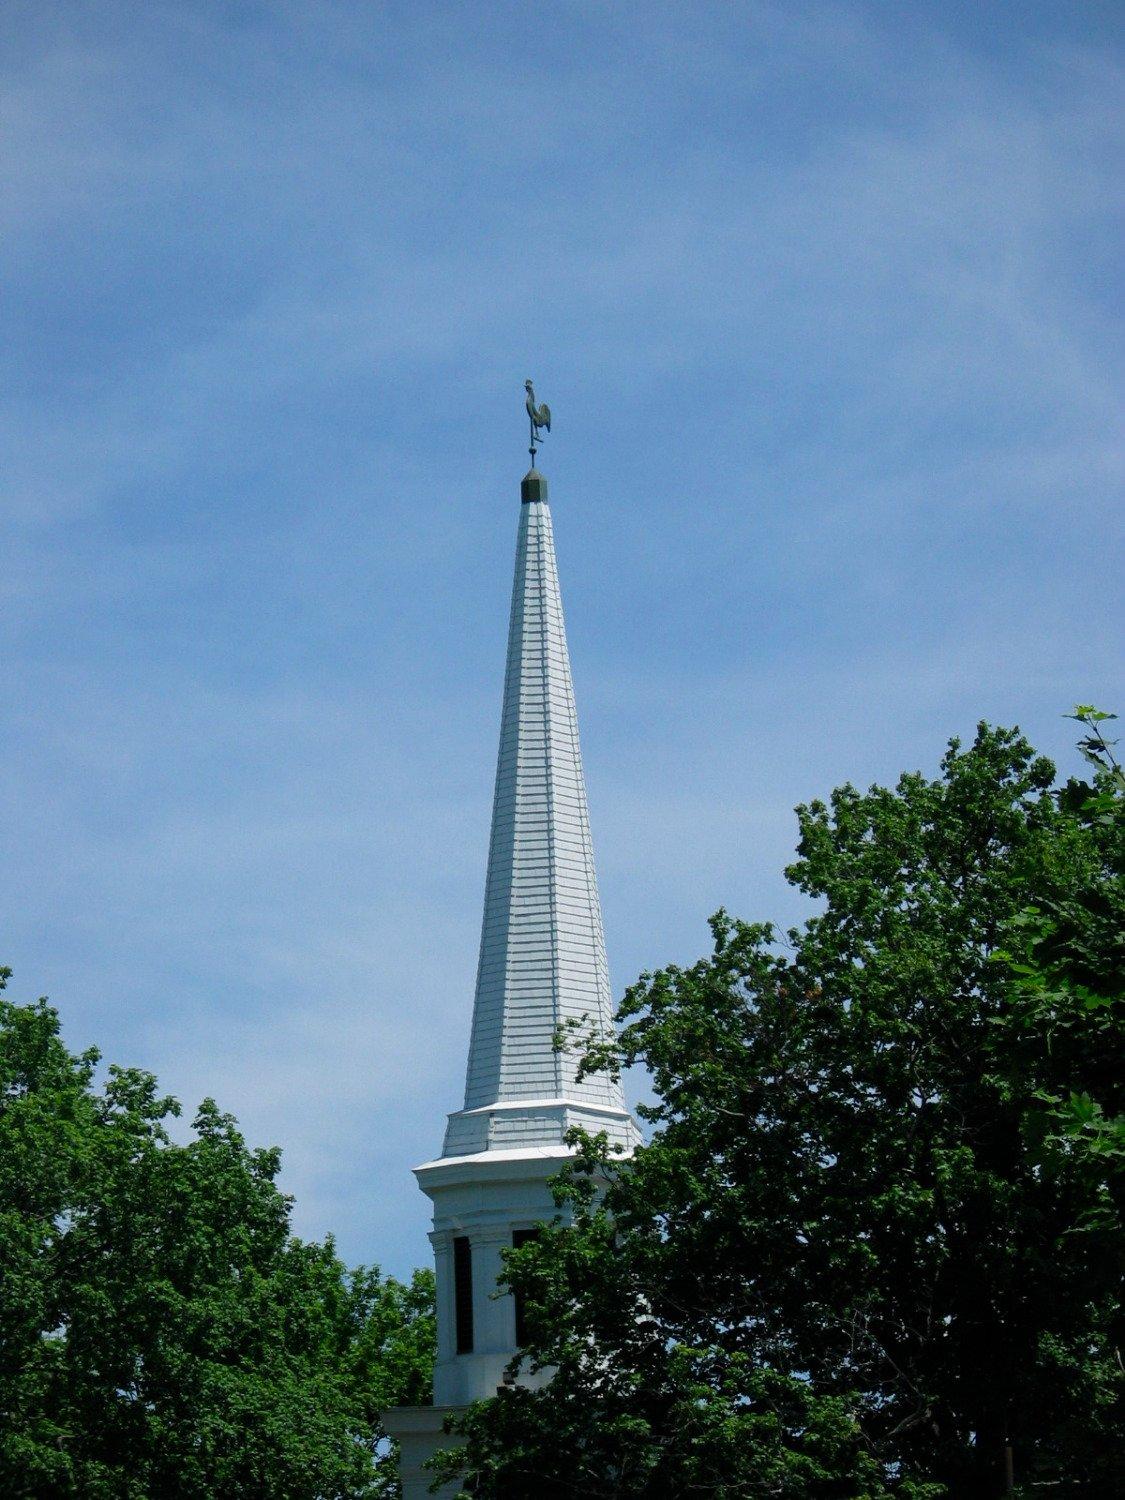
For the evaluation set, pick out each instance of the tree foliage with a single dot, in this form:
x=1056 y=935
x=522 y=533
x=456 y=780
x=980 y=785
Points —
x=876 y=1239
x=161 y=1331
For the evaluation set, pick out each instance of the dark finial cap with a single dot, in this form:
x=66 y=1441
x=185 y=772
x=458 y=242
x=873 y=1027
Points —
x=533 y=487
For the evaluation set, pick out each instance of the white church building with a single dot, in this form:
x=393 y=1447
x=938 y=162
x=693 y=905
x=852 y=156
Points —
x=542 y=963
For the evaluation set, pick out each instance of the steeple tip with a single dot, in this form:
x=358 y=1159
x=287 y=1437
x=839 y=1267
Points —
x=533 y=486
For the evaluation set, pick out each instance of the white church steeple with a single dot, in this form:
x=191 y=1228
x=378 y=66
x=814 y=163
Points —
x=542 y=963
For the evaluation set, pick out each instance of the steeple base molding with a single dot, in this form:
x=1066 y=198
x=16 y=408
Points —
x=522 y=1124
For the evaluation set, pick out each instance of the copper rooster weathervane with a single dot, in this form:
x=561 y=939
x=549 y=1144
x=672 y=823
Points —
x=540 y=418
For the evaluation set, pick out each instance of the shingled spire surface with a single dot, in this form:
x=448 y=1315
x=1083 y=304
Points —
x=542 y=955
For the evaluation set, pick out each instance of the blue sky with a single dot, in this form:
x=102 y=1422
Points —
x=823 y=298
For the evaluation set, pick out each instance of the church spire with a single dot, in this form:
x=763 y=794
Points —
x=542 y=955
x=542 y=964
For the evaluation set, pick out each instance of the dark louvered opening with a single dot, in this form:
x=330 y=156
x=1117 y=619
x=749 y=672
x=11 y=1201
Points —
x=463 y=1293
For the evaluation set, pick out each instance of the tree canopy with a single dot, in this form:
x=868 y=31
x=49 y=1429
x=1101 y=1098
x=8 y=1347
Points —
x=875 y=1244
x=161 y=1330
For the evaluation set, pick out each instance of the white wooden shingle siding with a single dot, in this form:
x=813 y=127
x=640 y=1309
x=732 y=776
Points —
x=542 y=953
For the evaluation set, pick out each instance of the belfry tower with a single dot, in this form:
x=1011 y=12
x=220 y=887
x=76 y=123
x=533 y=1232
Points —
x=542 y=963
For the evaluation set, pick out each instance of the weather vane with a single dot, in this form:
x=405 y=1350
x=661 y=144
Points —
x=540 y=418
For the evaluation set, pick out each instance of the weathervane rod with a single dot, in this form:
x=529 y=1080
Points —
x=540 y=417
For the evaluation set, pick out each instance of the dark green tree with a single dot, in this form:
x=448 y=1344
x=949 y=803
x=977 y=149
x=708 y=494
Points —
x=875 y=1245
x=162 y=1333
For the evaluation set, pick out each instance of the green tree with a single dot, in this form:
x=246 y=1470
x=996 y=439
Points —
x=876 y=1240
x=161 y=1331
x=1067 y=956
